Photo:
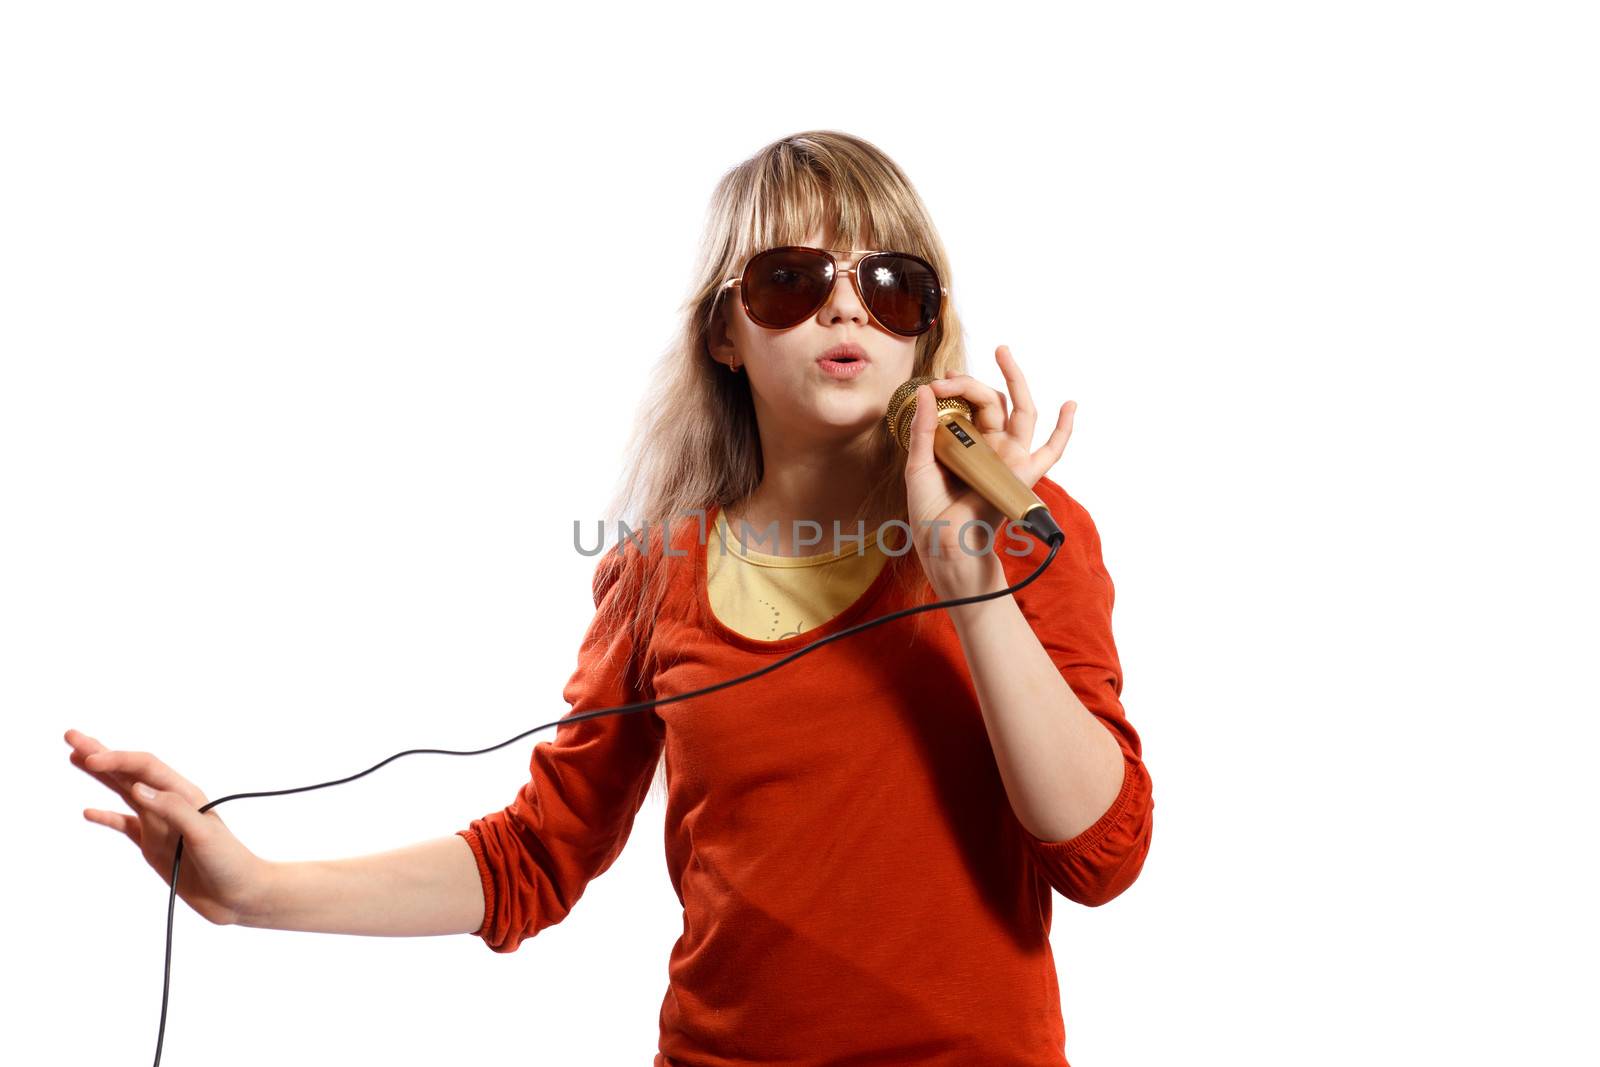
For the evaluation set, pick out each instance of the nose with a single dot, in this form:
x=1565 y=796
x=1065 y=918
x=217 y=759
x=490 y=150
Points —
x=843 y=303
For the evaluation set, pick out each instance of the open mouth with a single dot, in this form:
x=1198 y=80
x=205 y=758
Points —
x=843 y=365
x=844 y=355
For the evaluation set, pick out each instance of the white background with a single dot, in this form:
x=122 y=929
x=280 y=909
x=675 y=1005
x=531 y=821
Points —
x=308 y=369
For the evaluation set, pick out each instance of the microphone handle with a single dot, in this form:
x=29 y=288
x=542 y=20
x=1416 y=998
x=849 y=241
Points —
x=960 y=447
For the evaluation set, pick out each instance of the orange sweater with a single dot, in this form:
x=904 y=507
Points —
x=855 y=885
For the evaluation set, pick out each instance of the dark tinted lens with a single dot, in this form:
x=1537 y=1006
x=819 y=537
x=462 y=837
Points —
x=901 y=290
x=783 y=286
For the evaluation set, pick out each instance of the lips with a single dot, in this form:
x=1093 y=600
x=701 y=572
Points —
x=845 y=353
x=844 y=362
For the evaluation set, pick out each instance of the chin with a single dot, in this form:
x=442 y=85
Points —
x=848 y=412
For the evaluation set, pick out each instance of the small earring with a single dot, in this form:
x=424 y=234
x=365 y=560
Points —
x=733 y=367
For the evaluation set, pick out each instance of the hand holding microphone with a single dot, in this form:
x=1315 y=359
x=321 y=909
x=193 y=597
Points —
x=968 y=460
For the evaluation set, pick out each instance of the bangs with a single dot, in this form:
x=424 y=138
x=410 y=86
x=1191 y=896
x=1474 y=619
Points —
x=792 y=197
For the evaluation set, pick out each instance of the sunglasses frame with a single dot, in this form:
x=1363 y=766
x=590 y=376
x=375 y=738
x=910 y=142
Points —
x=866 y=254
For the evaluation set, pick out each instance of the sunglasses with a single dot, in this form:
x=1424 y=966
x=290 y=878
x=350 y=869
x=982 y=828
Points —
x=784 y=286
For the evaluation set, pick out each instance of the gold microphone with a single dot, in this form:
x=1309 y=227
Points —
x=960 y=449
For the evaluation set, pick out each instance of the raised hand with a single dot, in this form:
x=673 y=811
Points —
x=937 y=503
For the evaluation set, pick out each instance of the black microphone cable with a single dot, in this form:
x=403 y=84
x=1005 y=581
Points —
x=1039 y=524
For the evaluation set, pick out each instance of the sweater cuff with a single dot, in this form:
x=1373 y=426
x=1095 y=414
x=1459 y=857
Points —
x=1088 y=838
x=476 y=844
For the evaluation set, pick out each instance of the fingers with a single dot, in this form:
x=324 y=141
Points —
x=173 y=808
x=919 y=453
x=1051 y=450
x=989 y=407
x=129 y=767
x=85 y=746
x=1023 y=414
x=74 y=737
x=116 y=820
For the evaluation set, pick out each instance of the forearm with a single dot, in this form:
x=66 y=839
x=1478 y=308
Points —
x=1061 y=766
x=429 y=888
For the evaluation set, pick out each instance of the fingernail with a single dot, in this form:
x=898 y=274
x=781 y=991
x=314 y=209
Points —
x=143 y=792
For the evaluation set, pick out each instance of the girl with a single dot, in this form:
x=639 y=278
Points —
x=865 y=842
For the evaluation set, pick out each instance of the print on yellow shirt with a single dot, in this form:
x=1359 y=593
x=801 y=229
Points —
x=769 y=598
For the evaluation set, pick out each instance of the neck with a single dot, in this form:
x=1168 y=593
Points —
x=821 y=482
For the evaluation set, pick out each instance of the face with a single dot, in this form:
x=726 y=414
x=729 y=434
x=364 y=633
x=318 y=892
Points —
x=795 y=394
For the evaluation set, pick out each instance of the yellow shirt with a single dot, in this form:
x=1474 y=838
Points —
x=768 y=598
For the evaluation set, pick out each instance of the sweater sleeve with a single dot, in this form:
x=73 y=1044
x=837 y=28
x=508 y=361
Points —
x=570 y=820
x=1069 y=607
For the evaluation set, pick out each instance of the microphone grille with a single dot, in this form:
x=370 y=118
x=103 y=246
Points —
x=903 y=409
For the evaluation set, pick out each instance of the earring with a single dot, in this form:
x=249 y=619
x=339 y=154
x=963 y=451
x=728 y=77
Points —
x=733 y=367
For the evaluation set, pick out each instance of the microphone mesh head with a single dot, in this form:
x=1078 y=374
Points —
x=903 y=409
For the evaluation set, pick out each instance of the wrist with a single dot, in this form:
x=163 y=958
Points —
x=973 y=581
x=260 y=903
x=953 y=579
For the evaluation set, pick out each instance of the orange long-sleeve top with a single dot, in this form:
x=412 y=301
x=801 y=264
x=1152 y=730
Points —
x=856 y=887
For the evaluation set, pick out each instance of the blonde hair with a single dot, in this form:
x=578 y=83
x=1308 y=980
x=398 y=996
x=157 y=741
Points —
x=696 y=444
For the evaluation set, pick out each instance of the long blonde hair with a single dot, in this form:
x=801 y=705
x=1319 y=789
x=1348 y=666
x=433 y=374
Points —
x=696 y=443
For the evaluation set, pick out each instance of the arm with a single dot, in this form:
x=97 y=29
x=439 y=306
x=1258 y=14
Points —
x=1049 y=682
x=1061 y=767
x=428 y=888
x=515 y=871
x=571 y=818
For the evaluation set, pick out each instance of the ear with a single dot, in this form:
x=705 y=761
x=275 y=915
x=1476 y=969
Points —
x=719 y=345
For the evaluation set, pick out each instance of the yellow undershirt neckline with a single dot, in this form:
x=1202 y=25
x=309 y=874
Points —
x=725 y=535
x=757 y=594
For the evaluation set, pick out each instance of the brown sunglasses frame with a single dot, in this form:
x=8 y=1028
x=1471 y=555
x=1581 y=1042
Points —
x=865 y=253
